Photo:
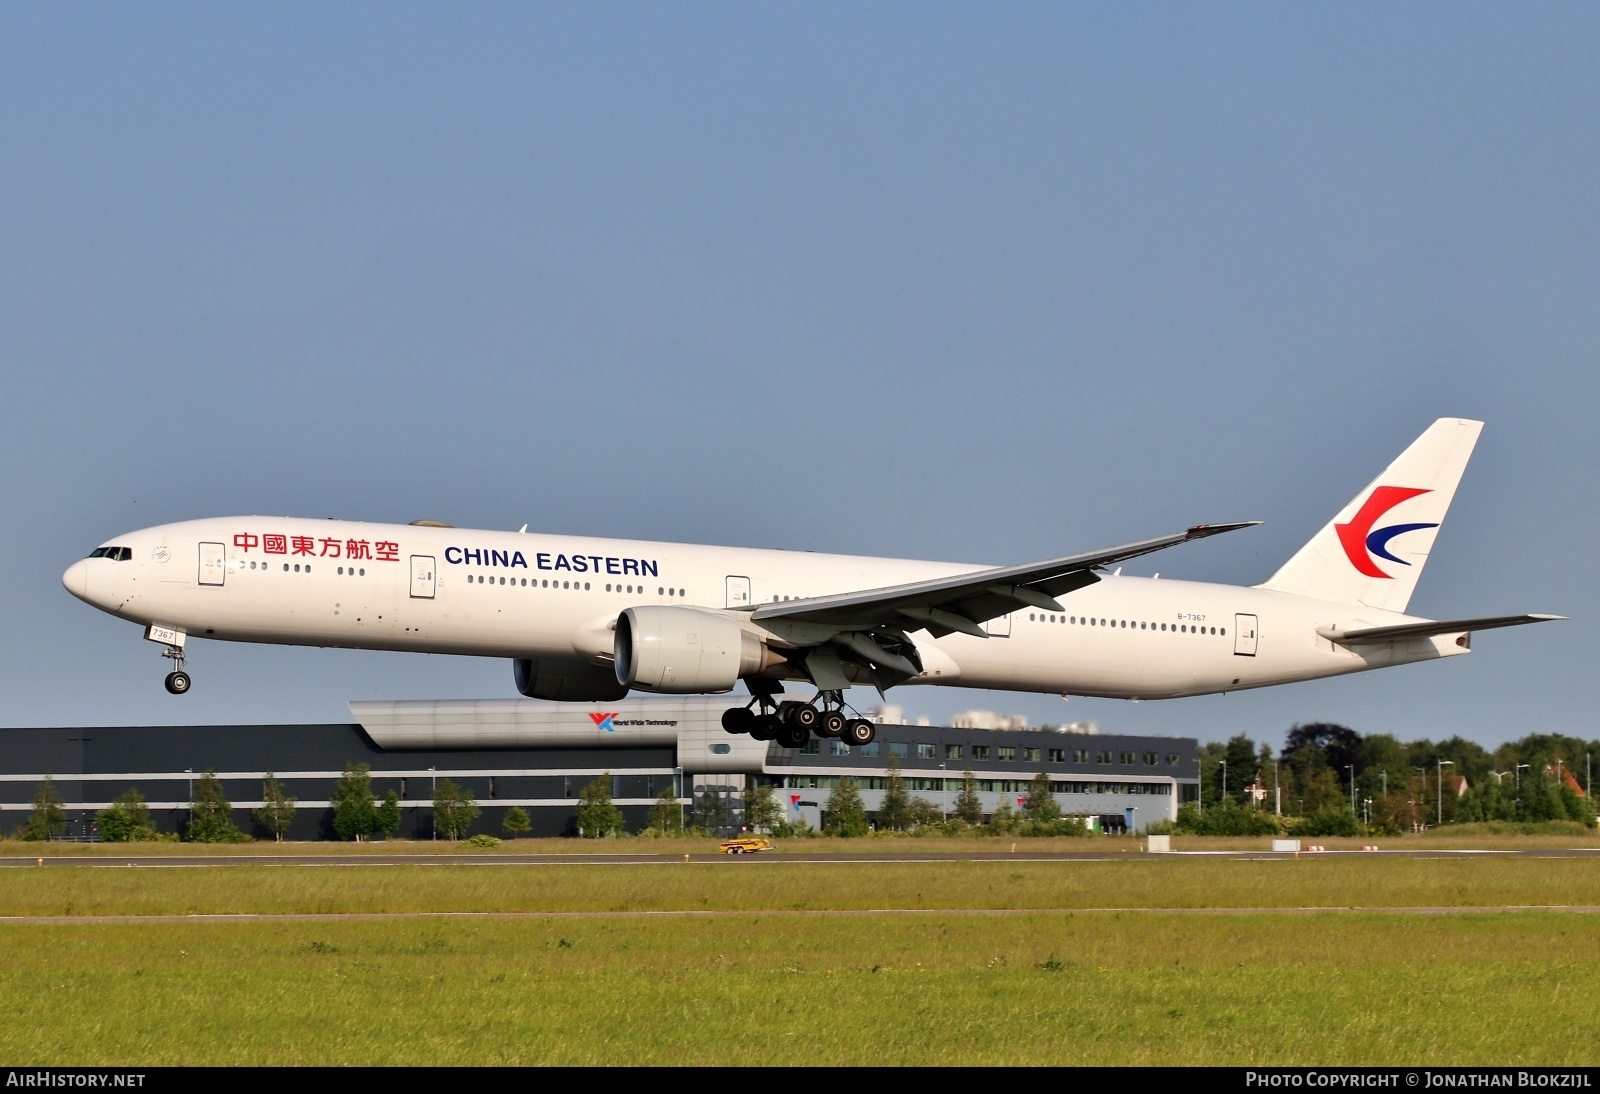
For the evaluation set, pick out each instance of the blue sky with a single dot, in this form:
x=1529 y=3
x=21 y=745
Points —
x=973 y=282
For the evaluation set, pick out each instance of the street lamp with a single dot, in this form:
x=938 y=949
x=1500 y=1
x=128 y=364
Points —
x=1277 y=792
x=1452 y=763
x=1366 y=811
x=1224 y=764
x=1516 y=779
x=1352 y=769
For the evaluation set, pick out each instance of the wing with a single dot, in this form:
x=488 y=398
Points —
x=1429 y=629
x=963 y=601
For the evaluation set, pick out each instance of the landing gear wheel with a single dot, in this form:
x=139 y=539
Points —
x=738 y=720
x=803 y=718
x=831 y=724
x=178 y=682
x=792 y=736
x=859 y=731
x=766 y=727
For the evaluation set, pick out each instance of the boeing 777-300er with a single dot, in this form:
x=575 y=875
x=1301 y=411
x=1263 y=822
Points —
x=589 y=620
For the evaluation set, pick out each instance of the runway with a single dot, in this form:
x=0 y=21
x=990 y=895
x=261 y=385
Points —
x=778 y=858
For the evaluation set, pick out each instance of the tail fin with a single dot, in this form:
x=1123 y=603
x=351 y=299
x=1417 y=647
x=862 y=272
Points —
x=1373 y=552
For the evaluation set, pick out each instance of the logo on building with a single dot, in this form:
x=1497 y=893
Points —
x=603 y=721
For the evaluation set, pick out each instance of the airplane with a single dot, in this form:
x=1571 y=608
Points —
x=589 y=620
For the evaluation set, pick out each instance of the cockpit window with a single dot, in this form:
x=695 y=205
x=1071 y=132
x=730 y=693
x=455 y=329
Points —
x=115 y=554
x=99 y=552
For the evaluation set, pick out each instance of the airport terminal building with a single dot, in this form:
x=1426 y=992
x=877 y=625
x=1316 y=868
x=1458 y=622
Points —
x=539 y=755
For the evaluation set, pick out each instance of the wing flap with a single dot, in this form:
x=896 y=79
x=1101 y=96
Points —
x=1429 y=628
x=977 y=596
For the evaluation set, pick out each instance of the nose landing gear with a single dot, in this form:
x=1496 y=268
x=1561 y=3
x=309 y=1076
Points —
x=177 y=681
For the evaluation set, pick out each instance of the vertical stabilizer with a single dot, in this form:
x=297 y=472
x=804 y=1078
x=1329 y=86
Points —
x=1373 y=552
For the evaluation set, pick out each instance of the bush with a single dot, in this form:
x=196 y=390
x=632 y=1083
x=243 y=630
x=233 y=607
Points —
x=483 y=839
x=127 y=820
x=1327 y=822
x=1060 y=826
x=1225 y=819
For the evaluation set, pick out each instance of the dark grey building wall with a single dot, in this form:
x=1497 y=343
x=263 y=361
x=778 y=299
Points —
x=140 y=754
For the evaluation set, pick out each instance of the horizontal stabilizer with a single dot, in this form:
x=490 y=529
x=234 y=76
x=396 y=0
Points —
x=1429 y=629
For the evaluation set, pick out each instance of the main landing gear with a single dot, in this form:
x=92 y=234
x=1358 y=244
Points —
x=792 y=724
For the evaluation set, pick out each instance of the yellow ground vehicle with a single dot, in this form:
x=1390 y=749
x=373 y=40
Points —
x=746 y=845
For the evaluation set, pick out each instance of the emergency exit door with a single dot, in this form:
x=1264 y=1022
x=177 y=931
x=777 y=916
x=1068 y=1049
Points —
x=423 y=577
x=1244 y=635
x=738 y=592
x=213 y=563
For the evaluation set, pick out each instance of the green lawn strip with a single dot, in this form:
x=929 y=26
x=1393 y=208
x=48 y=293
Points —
x=754 y=884
x=1097 y=988
x=1464 y=837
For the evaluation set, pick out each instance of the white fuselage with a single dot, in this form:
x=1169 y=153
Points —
x=528 y=595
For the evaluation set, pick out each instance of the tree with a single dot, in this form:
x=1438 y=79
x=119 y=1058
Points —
x=277 y=808
x=761 y=809
x=666 y=815
x=127 y=820
x=386 y=817
x=894 y=815
x=49 y=817
x=516 y=822
x=1041 y=806
x=211 y=813
x=354 y=815
x=711 y=809
x=454 y=809
x=923 y=813
x=1339 y=745
x=1241 y=756
x=597 y=817
x=968 y=806
x=846 y=815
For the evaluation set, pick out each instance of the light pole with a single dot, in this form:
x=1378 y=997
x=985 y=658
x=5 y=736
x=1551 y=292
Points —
x=1224 y=801
x=1366 y=812
x=1385 y=782
x=433 y=788
x=1352 y=770
x=1277 y=792
x=1516 y=778
x=1440 y=816
x=1417 y=820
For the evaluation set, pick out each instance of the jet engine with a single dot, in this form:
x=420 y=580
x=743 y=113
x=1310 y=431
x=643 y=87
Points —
x=567 y=681
x=685 y=650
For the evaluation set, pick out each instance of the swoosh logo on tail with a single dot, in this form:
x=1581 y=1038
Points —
x=1359 y=540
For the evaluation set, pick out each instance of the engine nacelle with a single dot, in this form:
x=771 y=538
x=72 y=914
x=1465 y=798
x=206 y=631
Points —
x=684 y=651
x=567 y=681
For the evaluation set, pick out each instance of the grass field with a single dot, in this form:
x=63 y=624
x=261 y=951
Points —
x=773 y=978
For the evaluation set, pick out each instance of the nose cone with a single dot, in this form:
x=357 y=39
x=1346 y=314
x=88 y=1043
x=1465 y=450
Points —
x=76 y=579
